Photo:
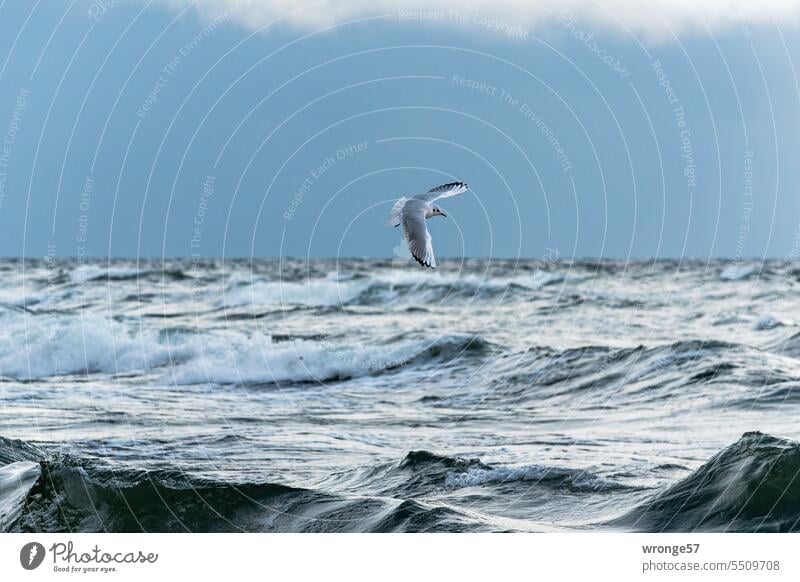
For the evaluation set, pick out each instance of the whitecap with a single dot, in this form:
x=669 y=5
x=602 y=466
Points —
x=312 y=292
x=737 y=272
x=66 y=345
x=18 y=296
x=85 y=273
x=396 y=286
x=261 y=360
x=767 y=321
x=560 y=476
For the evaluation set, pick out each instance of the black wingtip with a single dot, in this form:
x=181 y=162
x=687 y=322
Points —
x=421 y=262
x=449 y=186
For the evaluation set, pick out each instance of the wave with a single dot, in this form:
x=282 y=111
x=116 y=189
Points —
x=17 y=297
x=91 y=344
x=14 y=450
x=789 y=346
x=737 y=272
x=82 y=345
x=320 y=292
x=767 y=321
x=672 y=375
x=19 y=471
x=64 y=494
x=262 y=360
x=639 y=372
x=419 y=473
x=423 y=474
x=750 y=486
x=54 y=492
x=774 y=395
x=94 y=272
x=383 y=287
x=97 y=272
x=559 y=477
x=74 y=344
x=16 y=479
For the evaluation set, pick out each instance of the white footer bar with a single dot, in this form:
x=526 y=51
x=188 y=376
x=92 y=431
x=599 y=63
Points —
x=355 y=557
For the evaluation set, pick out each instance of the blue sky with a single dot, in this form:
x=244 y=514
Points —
x=171 y=128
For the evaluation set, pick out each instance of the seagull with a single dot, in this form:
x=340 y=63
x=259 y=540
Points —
x=412 y=212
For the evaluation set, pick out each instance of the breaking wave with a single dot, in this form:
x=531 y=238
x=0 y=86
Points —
x=76 y=345
x=398 y=287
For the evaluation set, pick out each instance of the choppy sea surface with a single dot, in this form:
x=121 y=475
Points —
x=372 y=396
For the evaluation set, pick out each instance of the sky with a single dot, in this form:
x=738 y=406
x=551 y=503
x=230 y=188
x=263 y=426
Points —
x=227 y=128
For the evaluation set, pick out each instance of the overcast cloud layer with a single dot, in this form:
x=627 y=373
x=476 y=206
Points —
x=652 y=19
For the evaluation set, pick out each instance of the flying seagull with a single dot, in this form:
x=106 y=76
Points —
x=412 y=213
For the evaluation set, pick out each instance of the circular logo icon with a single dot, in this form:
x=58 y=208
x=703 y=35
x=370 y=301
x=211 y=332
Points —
x=31 y=555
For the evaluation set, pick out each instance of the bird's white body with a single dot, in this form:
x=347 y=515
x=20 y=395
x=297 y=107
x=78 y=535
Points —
x=412 y=213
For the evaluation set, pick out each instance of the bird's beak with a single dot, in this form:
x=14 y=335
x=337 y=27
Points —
x=443 y=214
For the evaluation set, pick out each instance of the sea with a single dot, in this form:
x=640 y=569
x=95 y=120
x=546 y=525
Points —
x=361 y=395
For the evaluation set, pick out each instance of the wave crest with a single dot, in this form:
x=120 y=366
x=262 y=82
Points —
x=559 y=477
x=384 y=288
x=83 y=495
x=750 y=486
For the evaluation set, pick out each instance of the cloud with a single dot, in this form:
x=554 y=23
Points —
x=651 y=19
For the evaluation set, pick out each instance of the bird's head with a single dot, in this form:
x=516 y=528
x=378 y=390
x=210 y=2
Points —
x=438 y=212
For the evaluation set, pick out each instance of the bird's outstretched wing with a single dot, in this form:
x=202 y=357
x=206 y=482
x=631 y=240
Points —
x=416 y=234
x=397 y=209
x=443 y=191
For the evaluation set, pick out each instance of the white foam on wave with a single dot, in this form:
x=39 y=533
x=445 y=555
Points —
x=261 y=360
x=336 y=290
x=543 y=278
x=65 y=345
x=421 y=278
x=16 y=480
x=767 y=321
x=572 y=478
x=737 y=272
x=329 y=291
x=84 y=273
x=18 y=296
x=47 y=347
